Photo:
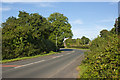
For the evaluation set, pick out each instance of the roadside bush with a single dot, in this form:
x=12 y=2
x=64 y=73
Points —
x=27 y=35
x=102 y=60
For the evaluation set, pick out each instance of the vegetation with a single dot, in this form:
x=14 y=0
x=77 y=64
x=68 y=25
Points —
x=61 y=28
x=102 y=61
x=33 y=34
x=23 y=58
x=82 y=43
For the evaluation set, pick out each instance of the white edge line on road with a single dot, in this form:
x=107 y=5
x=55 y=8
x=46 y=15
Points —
x=34 y=63
x=29 y=64
x=57 y=56
x=41 y=61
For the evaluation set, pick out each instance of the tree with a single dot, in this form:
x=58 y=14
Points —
x=104 y=33
x=85 y=40
x=113 y=31
x=78 y=41
x=117 y=25
x=61 y=28
x=26 y=35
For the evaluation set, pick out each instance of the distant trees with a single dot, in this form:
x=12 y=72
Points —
x=30 y=34
x=85 y=40
x=78 y=43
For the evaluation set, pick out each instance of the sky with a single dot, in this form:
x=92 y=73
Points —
x=86 y=18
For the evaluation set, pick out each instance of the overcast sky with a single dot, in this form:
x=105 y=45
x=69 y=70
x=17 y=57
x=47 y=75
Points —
x=87 y=18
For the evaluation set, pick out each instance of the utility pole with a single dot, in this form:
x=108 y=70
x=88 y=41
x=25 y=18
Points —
x=116 y=22
x=56 y=42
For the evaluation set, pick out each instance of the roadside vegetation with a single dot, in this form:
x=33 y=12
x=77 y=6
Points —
x=102 y=61
x=78 y=43
x=29 y=57
x=32 y=34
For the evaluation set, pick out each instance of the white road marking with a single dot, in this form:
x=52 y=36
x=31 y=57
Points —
x=34 y=62
x=60 y=55
x=42 y=60
x=54 y=57
x=29 y=64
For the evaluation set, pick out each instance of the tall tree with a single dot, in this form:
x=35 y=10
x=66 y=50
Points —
x=61 y=28
x=26 y=35
x=118 y=25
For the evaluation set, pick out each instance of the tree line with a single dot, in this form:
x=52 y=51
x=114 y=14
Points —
x=78 y=43
x=33 y=34
x=102 y=61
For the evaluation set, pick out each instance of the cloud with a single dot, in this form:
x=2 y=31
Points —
x=5 y=9
x=45 y=5
x=99 y=28
x=29 y=0
x=91 y=33
x=107 y=20
x=113 y=3
x=60 y=0
x=78 y=21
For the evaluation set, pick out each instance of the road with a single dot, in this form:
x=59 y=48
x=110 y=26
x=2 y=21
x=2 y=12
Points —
x=61 y=65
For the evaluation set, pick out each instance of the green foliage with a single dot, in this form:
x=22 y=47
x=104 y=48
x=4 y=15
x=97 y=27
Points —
x=61 y=28
x=78 y=43
x=85 y=40
x=102 y=61
x=104 y=33
x=32 y=34
x=23 y=58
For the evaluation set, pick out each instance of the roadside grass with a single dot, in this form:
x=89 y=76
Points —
x=23 y=58
x=77 y=48
x=82 y=69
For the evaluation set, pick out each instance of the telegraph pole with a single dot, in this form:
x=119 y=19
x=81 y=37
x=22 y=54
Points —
x=116 y=22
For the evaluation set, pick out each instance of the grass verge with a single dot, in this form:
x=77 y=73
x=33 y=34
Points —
x=82 y=69
x=78 y=48
x=23 y=58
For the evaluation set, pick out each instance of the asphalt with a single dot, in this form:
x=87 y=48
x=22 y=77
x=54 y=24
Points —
x=61 y=65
